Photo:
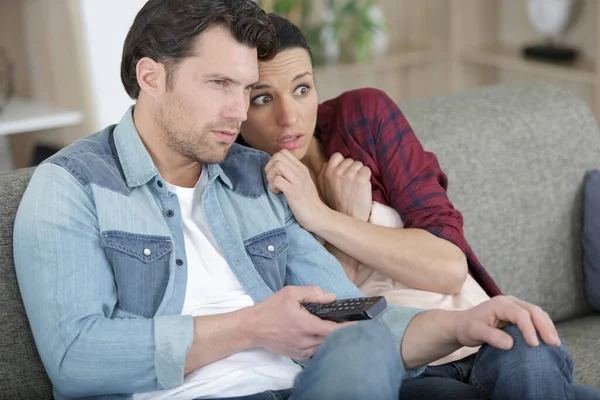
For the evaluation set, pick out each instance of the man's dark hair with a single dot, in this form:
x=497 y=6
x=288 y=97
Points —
x=165 y=31
x=288 y=34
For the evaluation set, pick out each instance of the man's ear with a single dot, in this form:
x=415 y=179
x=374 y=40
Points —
x=150 y=76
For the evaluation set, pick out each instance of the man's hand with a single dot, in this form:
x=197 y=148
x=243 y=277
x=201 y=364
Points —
x=282 y=325
x=287 y=175
x=346 y=186
x=483 y=323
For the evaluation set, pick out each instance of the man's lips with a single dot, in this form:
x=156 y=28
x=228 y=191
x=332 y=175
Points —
x=225 y=135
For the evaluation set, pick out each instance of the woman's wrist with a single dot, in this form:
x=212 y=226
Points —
x=323 y=218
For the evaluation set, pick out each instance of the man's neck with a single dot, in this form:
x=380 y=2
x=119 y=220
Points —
x=173 y=167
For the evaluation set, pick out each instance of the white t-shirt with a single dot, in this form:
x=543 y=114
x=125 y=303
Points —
x=213 y=288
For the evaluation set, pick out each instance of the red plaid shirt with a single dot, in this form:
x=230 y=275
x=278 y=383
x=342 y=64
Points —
x=366 y=125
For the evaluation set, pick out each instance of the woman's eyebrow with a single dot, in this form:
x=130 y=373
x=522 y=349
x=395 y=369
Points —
x=261 y=86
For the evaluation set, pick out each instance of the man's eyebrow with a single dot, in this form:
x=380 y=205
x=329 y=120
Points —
x=266 y=86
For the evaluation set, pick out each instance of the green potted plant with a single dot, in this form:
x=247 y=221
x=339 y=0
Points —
x=344 y=32
x=355 y=26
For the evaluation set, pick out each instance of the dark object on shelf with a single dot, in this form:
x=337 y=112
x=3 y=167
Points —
x=551 y=53
x=42 y=152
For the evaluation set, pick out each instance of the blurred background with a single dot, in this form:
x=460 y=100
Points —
x=60 y=59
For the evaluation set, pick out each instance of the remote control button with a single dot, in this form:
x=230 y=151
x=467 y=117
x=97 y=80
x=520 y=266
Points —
x=325 y=310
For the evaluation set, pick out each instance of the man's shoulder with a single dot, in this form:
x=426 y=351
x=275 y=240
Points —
x=90 y=159
x=96 y=144
x=244 y=167
x=244 y=160
x=239 y=152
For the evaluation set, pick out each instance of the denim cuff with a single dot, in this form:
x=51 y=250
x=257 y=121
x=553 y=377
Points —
x=397 y=319
x=173 y=336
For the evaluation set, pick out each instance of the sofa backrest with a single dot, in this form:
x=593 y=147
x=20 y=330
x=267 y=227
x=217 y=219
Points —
x=22 y=375
x=516 y=158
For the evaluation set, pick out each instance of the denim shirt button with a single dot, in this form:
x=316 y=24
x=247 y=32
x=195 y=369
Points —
x=159 y=184
x=170 y=213
x=271 y=248
x=147 y=252
x=179 y=262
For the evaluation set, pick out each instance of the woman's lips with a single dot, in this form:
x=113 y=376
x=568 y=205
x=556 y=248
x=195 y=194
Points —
x=291 y=142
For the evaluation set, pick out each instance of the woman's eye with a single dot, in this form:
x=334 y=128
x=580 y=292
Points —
x=220 y=82
x=261 y=100
x=302 y=90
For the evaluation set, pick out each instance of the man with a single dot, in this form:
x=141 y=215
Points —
x=154 y=262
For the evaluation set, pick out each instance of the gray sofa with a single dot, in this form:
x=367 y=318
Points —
x=516 y=158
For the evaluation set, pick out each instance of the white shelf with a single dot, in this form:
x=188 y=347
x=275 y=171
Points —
x=508 y=58
x=25 y=116
x=398 y=58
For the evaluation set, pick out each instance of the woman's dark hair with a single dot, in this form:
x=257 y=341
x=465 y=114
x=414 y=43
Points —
x=288 y=34
x=165 y=31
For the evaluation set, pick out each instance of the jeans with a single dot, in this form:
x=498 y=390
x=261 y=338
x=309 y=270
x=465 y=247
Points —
x=372 y=370
x=523 y=373
x=358 y=362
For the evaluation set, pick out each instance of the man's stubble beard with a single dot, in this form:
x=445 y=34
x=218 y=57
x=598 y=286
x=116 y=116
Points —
x=196 y=147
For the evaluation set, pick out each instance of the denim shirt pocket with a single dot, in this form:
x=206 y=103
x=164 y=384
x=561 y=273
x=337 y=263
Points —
x=268 y=252
x=141 y=267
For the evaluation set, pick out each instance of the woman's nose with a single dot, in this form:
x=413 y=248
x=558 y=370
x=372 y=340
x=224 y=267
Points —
x=288 y=115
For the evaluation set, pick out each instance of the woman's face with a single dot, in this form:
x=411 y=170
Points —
x=283 y=106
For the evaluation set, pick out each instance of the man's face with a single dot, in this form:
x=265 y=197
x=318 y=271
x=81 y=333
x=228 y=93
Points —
x=201 y=112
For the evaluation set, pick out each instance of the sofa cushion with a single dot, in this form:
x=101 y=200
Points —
x=582 y=339
x=591 y=238
x=22 y=374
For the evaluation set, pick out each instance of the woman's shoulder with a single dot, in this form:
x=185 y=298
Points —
x=356 y=108
x=367 y=96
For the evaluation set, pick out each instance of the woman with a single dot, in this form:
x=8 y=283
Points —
x=355 y=175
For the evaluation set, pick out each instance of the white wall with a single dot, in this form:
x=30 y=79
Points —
x=105 y=24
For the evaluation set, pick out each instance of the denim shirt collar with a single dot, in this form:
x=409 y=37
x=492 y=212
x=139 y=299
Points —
x=135 y=160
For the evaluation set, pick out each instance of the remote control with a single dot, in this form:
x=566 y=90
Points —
x=348 y=309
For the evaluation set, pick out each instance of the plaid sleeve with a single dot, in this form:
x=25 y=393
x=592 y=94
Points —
x=367 y=125
x=414 y=183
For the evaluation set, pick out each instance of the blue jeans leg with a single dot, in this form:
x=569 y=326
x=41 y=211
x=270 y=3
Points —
x=357 y=362
x=448 y=382
x=525 y=372
x=268 y=395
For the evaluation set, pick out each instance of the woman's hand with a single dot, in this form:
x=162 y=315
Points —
x=483 y=323
x=346 y=186
x=287 y=175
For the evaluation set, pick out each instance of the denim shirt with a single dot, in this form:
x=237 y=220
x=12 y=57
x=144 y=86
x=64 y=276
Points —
x=101 y=264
